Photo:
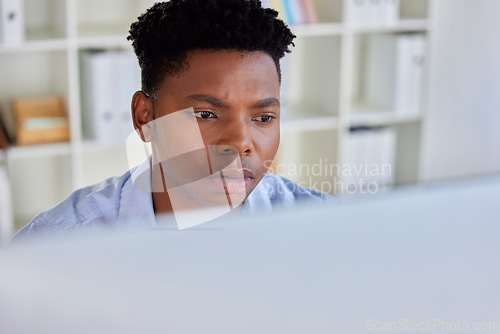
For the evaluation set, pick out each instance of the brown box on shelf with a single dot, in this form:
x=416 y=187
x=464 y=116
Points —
x=40 y=120
x=4 y=141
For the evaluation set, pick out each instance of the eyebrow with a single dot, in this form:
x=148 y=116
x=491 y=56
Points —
x=216 y=102
x=269 y=102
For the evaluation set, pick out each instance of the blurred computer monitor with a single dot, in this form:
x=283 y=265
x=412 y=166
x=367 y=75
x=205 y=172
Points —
x=421 y=260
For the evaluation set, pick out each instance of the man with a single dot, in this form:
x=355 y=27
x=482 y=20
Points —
x=210 y=107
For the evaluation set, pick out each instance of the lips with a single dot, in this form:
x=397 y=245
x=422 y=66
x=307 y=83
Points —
x=233 y=181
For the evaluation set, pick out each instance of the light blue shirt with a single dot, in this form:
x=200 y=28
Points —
x=117 y=200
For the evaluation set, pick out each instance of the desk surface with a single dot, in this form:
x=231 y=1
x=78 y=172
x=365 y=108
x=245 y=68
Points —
x=425 y=257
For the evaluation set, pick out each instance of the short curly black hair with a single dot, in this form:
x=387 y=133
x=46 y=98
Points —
x=163 y=36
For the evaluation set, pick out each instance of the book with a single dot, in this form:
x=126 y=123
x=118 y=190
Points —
x=11 y=22
x=278 y=5
x=296 y=11
x=311 y=16
x=287 y=10
x=293 y=11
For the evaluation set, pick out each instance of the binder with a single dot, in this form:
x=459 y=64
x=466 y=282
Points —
x=129 y=82
x=357 y=155
x=6 y=214
x=389 y=11
x=379 y=84
x=357 y=12
x=373 y=10
x=382 y=154
x=411 y=59
x=417 y=73
x=99 y=95
x=109 y=79
x=11 y=22
x=394 y=73
x=369 y=153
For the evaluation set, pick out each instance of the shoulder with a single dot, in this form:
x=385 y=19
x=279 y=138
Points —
x=287 y=192
x=96 y=202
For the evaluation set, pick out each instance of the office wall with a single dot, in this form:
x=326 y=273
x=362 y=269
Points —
x=463 y=128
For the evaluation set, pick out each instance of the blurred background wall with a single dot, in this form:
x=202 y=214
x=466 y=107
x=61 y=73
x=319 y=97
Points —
x=463 y=128
x=412 y=84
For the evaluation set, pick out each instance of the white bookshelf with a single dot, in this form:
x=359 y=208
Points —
x=318 y=87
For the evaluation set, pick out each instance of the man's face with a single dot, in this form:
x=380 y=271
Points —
x=235 y=97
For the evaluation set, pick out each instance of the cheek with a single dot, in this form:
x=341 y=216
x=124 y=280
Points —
x=268 y=144
x=210 y=133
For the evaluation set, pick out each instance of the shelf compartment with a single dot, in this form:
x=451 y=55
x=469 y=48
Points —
x=38 y=185
x=413 y=9
x=311 y=77
x=114 y=17
x=309 y=159
x=407 y=170
x=101 y=164
x=45 y=19
x=44 y=27
x=31 y=75
x=364 y=157
x=328 y=11
x=388 y=75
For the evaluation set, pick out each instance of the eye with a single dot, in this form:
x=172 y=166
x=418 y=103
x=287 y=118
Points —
x=204 y=114
x=265 y=118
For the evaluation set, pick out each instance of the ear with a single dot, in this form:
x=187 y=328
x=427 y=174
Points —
x=142 y=115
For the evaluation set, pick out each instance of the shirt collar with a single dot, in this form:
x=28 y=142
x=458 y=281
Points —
x=137 y=202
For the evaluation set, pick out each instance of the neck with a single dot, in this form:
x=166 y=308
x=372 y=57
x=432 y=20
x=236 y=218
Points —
x=161 y=200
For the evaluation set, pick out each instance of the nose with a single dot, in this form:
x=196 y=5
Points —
x=235 y=137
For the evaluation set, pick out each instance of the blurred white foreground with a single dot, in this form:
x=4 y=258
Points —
x=413 y=258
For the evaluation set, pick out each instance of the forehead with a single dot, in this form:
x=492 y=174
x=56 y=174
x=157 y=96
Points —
x=224 y=72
